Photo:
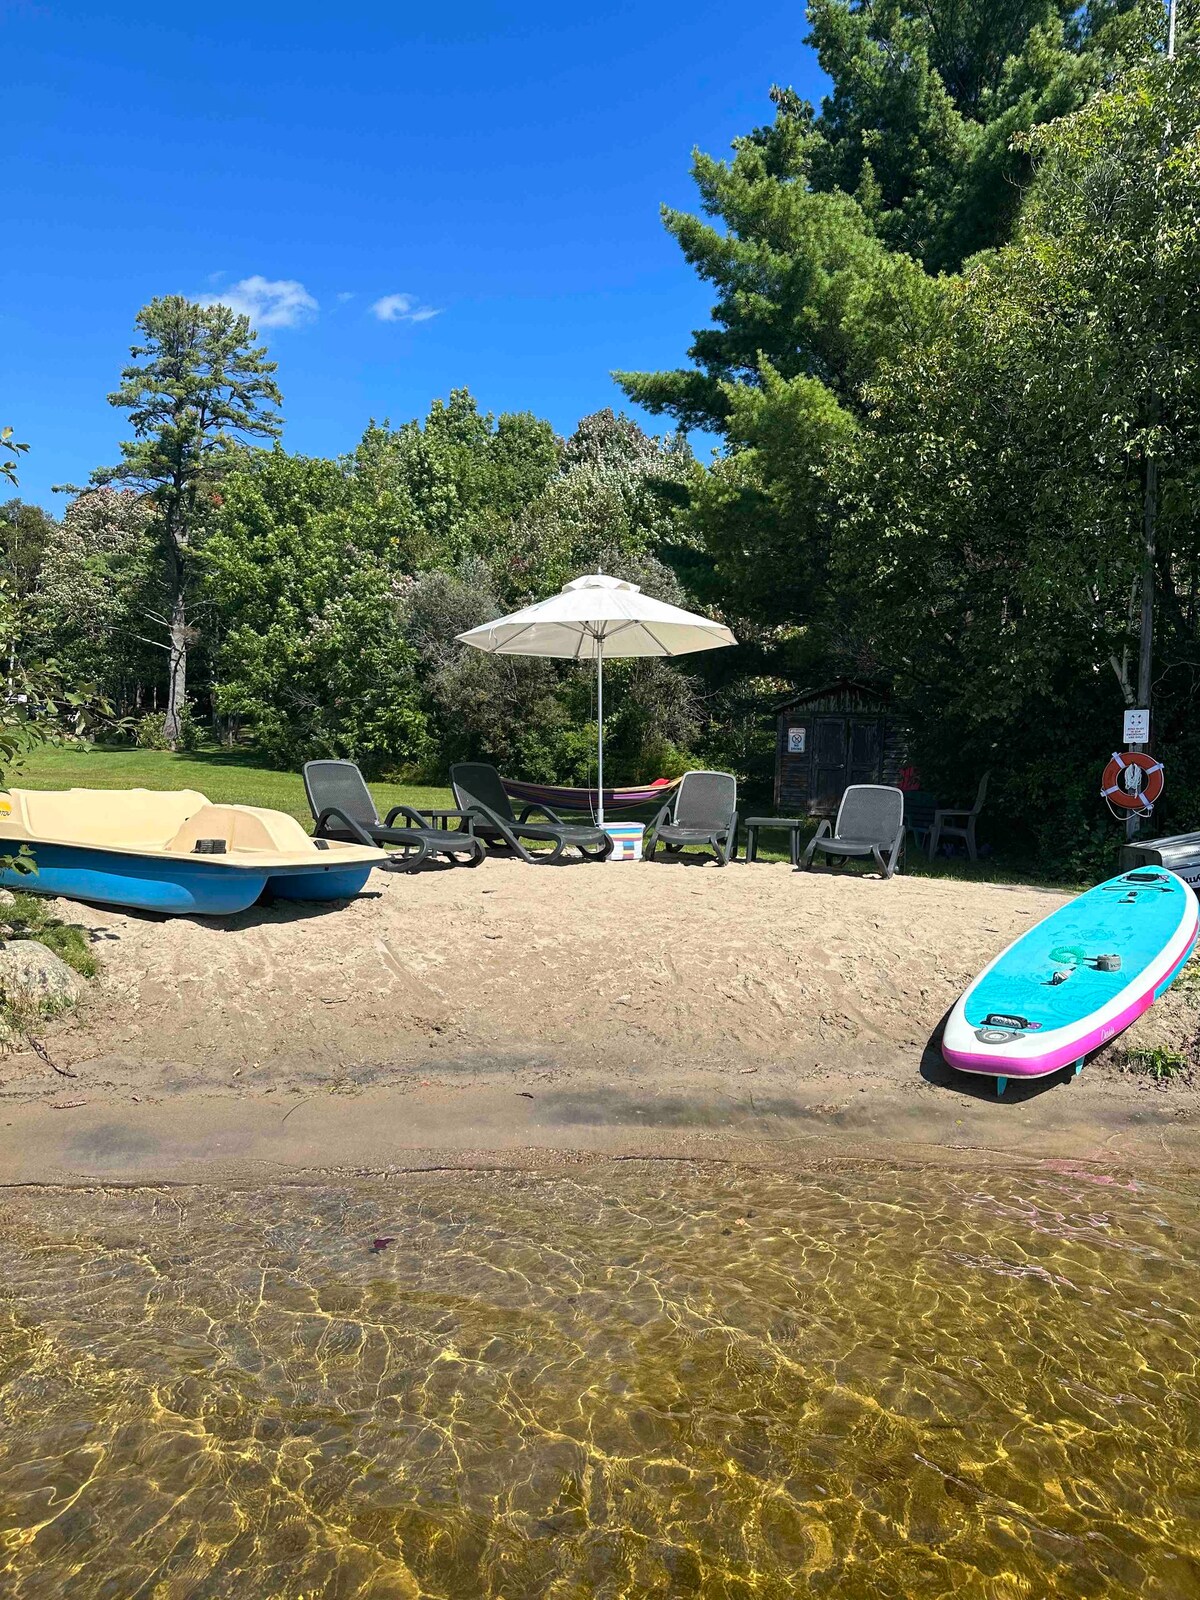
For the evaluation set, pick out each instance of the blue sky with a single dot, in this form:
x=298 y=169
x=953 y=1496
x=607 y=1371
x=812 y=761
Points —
x=411 y=199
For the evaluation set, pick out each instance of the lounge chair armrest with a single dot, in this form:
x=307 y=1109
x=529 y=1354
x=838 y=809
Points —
x=333 y=814
x=662 y=816
x=536 y=805
x=415 y=817
x=824 y=830
x=484 y=816
x=943 y=816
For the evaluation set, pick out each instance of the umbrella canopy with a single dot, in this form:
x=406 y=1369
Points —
x=594 y=617
x=598 y=615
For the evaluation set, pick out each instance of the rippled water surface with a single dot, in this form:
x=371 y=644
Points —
x=641 y=1380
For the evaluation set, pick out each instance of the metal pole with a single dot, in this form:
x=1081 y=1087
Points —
x=600 y=720
x=1146 y=643
x=1150 y=510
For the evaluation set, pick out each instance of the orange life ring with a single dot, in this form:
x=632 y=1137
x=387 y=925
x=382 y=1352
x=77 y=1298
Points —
x=1132 y=781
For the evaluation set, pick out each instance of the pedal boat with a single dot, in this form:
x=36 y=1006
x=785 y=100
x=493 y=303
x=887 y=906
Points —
x=172 y=852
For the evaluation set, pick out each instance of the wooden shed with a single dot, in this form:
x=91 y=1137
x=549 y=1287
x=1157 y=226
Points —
x=828 y=738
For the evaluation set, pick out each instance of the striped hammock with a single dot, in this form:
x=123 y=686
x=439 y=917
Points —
x=587 y=800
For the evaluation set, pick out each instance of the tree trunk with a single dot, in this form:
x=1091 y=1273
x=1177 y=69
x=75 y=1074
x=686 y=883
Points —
x=176 y=673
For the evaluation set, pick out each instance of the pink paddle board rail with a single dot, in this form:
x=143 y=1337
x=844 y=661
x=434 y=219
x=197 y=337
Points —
x=1038 y=1066
x=1033 y=1048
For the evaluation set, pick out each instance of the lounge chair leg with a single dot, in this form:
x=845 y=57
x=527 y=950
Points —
x=410 y=863
x=1001 y=1085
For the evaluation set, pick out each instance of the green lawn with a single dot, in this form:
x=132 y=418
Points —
x=232 y=777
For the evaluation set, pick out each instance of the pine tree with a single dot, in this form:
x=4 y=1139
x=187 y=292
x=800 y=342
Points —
x=198 y=390
x=912 y=162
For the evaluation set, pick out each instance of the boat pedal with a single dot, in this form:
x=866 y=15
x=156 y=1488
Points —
x=209 y=847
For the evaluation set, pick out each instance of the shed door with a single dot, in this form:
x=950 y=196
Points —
x=865 y=749
x=829 y=764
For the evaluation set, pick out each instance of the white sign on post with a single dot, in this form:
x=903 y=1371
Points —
x=1137 y=727
x=796 y=738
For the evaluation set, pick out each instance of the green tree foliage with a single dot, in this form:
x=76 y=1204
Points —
x=535 y=716
x=38 y=701
x=928 y=99
x=969 y=449
x=913 y=155
x=97 y=580
x=312 y=656
x=766 y=512
x=615 y=498
x=804 y=283
x=1001 y=483
x=24 y=532
x=198 y=389
x=449 y=485
x=339 y=587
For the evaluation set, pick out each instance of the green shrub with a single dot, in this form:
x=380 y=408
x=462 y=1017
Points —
x=1160 y=1064
x=149 y=733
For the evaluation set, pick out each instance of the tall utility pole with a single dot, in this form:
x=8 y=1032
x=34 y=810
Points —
x=1150 y=518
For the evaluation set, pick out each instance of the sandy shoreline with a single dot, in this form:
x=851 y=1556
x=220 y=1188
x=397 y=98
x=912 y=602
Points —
x=513 y=1014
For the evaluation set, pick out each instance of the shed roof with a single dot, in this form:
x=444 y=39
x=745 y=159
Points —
x=877 y=691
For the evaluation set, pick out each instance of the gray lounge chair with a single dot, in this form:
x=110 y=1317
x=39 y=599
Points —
x=702 y=812
x=870 y=820
x=959 y=824
x=481 y=796
x=342 y=808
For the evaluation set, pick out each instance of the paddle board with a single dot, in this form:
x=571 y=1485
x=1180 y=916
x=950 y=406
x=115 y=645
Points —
x=1075 y=980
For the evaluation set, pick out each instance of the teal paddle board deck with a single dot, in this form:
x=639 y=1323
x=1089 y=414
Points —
x=1075 y=980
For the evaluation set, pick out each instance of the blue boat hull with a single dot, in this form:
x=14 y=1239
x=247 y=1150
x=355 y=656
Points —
x=178 y=886
x=326 y=883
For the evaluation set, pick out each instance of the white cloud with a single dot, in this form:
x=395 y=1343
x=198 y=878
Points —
x=346 y=294
x=268 y=302
x=402 y=308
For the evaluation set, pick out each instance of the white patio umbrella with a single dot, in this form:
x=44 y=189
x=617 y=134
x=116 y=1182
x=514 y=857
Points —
x=594 y=617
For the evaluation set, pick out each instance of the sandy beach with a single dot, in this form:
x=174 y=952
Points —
x=517 y=1014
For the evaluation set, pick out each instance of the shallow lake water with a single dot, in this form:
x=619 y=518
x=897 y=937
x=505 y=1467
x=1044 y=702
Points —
x=642 y=1380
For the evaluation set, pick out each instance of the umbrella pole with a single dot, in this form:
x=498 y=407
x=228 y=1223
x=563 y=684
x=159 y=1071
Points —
x=600 y=721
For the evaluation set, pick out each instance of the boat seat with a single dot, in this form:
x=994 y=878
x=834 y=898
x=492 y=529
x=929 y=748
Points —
x=132 y=819
x=242 y=828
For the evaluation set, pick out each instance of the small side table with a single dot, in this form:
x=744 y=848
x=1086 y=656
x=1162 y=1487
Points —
x=791 y=825
x=443 y=816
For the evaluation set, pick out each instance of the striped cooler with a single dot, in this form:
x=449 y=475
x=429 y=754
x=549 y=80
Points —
x=627 y=840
